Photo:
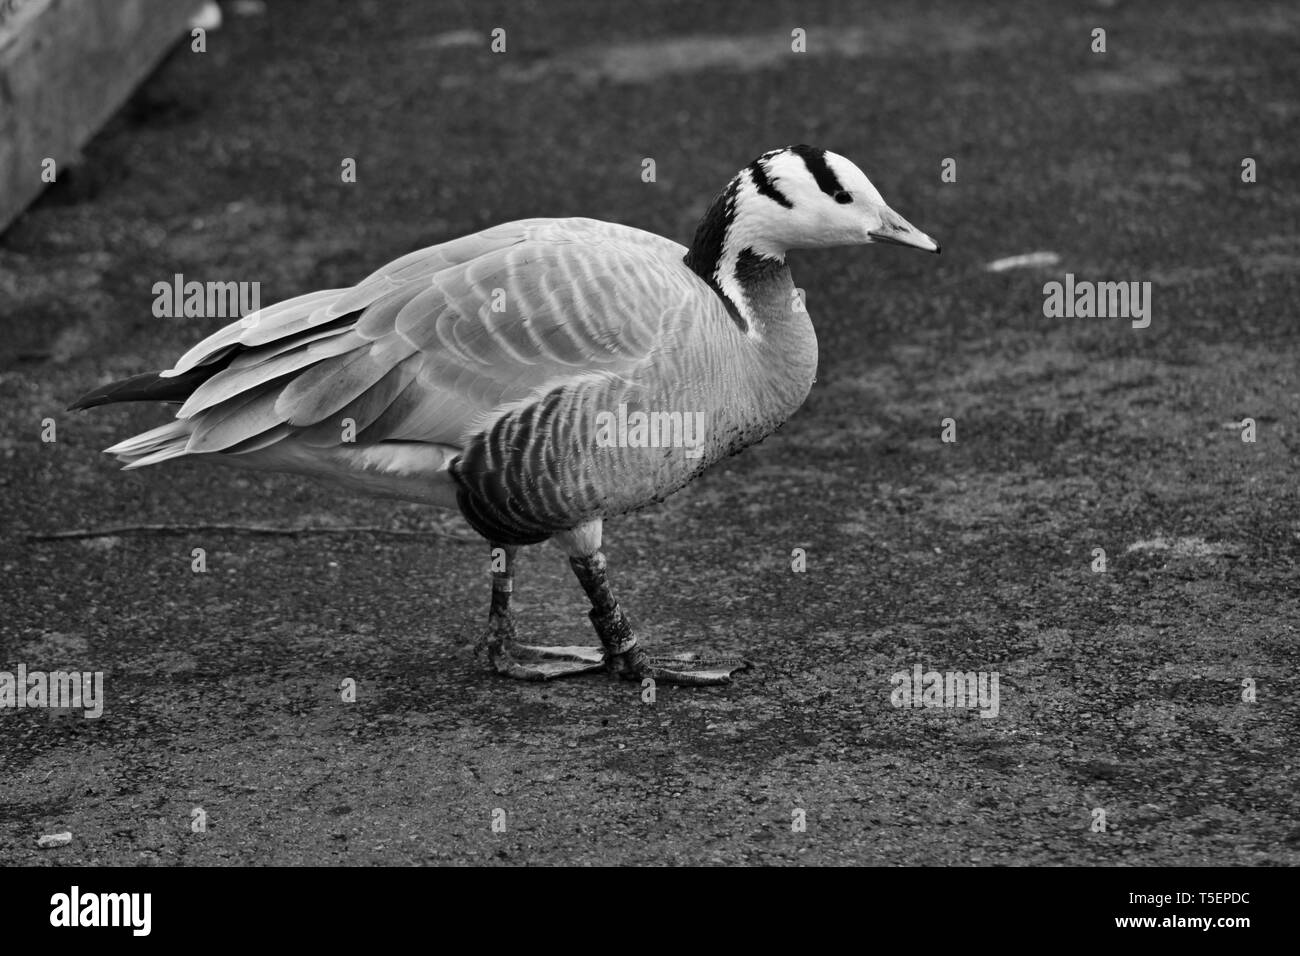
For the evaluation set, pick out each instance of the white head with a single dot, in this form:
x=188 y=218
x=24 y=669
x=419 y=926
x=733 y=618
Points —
x=802 y=197
x=799 y=197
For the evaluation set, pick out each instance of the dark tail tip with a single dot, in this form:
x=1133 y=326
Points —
x=149 y=387
x=153 y=387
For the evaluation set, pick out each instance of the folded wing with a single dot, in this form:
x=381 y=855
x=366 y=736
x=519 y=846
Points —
x=437 y=345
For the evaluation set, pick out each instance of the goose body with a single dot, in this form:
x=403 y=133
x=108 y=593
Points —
x=539 y=376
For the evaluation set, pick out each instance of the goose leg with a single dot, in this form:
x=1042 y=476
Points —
x=524 y=661
x=622 y=654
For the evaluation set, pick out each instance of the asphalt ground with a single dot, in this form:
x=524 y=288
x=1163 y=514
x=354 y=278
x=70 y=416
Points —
x=1120 y=691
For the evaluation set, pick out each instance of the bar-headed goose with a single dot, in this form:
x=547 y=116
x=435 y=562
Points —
x=539 y=376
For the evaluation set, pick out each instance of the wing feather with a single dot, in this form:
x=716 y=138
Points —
x=441 y=342
x=366 y=408
x=237 y=420
x=327 y=387
x=227 y=384
x=280 y=315
x=258 y=356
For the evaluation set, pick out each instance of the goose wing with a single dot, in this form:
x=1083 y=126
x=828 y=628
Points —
x=436 y=345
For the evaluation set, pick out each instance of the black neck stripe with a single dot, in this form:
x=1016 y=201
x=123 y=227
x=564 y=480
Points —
x=711 y=235
x=815 y=160
x=704 y=258
x=765 y=186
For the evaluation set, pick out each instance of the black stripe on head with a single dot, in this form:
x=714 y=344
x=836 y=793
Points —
x=765 y=186
x=815 y=160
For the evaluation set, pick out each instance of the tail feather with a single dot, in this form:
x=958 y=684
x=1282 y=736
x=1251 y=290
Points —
x=157 y=444
x=171 y=451
x=229 y=384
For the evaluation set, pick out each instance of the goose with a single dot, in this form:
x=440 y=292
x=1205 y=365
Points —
x=539 y=377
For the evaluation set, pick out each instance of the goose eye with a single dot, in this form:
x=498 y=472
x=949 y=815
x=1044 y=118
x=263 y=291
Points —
x=843 y=196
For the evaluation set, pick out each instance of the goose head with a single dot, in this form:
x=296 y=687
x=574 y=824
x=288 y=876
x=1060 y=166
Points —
x=802 y=197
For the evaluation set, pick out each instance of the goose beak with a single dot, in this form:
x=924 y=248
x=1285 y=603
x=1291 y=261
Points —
x=897 y=231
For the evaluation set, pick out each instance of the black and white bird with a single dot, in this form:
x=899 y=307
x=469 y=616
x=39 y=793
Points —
x=539 y=376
